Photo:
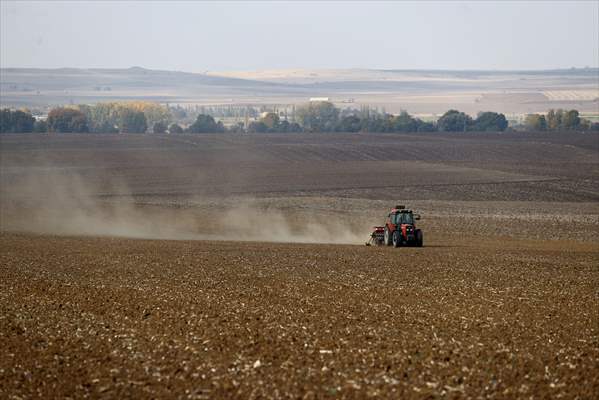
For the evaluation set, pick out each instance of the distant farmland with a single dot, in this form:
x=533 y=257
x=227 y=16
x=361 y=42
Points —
x=419 y=92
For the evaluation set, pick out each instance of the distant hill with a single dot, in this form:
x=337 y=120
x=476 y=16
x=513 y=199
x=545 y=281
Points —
x=133 y=78
x=299 y=76
x=418 y=91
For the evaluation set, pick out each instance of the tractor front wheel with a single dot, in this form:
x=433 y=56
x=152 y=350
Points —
x=387 y=237
x=396 y=239
x=419 y=238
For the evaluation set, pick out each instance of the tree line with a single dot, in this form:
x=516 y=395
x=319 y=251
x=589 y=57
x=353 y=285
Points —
x=142 y=117
x=325 y=117
x=559 y=120
x=129 y=117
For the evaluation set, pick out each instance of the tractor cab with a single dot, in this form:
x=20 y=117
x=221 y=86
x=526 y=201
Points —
x=400 y=216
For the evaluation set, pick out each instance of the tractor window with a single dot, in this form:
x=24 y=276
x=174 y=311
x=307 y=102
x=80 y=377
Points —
x=407 y=218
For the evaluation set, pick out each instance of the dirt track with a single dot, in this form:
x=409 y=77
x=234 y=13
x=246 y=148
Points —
x=500 y=303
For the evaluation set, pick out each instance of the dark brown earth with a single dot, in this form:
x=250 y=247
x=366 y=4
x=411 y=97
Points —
x=500 y=303
x=477 y=167
x=132 y=318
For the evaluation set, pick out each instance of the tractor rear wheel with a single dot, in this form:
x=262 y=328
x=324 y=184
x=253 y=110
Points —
x=419 y=238
x=396 y=239
x=387 y=239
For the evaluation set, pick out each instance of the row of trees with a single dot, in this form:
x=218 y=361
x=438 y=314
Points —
x=325 y=117
x=126 y=117
x=67 y=120
x=559 y=120
x=129 y=117
x=16 y=121
x=271 y=122
x=140 y=117
x=102 y=118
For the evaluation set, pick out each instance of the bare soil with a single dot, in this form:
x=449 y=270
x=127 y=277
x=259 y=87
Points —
x=148 y=267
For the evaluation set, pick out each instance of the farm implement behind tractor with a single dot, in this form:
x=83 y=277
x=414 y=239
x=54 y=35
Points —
x=399 y=230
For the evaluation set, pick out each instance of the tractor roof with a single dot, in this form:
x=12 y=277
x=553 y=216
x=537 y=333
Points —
x=400 y=210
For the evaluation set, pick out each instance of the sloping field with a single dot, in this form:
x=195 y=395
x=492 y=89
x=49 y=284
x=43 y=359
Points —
x=167 y=186
x=258 y=164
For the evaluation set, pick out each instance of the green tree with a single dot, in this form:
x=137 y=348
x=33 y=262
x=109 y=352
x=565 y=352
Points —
x=154 y=112
x=40 y=126
x=563 y=120
x=570 y=120
x=67 y=120
x=206 y=124
x=257 y=127
x=285 y=126
x=294 y=127
x=175 y=128
x=237 y=128
x=318 y=116
x=159 y=127
x=584 y=125
x=554 y=119
x=23 y=121
x=404 y=122
x=375 y=122
x=5 y=120
x=349 y=123
x=424 y=126
x=454 y=121
x=16 y=121
x=535 y=122
x=106 y=117
x=490 y=121
x=132 y=121
x=271 y=120
x=102 y=117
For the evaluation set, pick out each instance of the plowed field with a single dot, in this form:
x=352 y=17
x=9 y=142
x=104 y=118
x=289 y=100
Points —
x=234 y=267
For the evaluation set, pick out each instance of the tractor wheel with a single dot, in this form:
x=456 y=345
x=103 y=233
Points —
x=387 y=239
x=419 y=238
x=396 y=239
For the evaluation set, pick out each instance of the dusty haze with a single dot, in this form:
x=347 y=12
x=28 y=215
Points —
x=56 y=201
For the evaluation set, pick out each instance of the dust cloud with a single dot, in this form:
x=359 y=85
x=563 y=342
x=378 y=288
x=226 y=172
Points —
x=52 y=201
x=64 y=204
x=253 y=223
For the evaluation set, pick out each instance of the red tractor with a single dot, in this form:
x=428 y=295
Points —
x=399 y=230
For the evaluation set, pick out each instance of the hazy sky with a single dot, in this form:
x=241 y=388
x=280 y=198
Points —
x=200 y=36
